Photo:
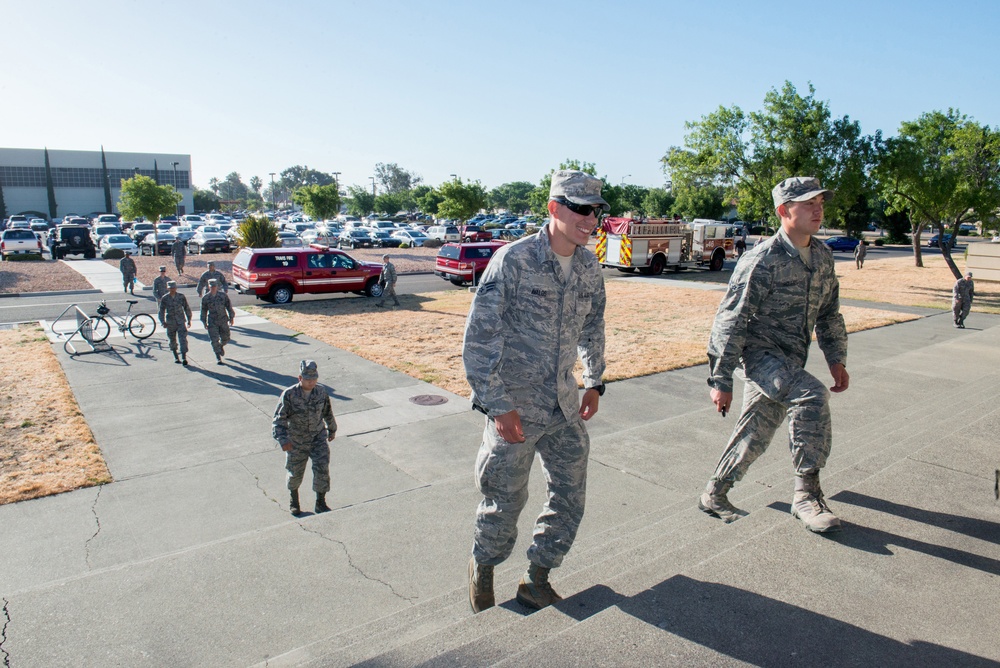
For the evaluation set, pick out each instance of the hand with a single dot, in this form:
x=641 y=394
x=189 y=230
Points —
x=232 y=321
x=588 y=406
x=332 y=435
x=287 y=446
x=722 y=400
x=509 y=427
x=841 y=379
x=163 y=324
x=189 y=323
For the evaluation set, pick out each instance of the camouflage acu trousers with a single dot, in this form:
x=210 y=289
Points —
x=175 y=332
x=297 y=457
x=960 y=309
x=777 y=387
x=502 y=470
x=219 y=334
x=388 y=291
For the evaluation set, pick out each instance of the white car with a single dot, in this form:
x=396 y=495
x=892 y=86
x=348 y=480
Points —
x=192 y=220
x=122 y=242
x=314 y=236
x=444 y=233
x=103 y=230
x=413 y=237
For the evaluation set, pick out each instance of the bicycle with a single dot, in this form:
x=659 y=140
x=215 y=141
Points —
x=139 y=325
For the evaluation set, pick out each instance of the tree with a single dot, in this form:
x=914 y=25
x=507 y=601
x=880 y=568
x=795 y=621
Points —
x=233 y=188
x=205 y=200
x=390 y=203
x=394 y=179
x=360 y=201
x=624 y=198
x=213 y=185
x=156 y=172
x=320 y=202
x=140 y=196
x=747 y=154
x=460 y=200
x=428 y=201
x=699 y=202
x=539 y=197
x=3 y=204
x=255 y=185
x=658 y=202
x=944 y=168
x=512 y=197
x=106 y=180
x=49 y=188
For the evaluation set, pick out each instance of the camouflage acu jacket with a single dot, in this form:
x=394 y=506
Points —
x=217 y=275
x=964 y=290
x=388 y=276
x=174 y=310
x=773 y=304
x=301 y=419
x=127 y=266
x=527 y=326
x=216 y=309
x=159 y=287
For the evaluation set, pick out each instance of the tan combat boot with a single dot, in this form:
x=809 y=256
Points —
x=715 y=502
x=809 y=505
x=534 y=590
x=480 y=586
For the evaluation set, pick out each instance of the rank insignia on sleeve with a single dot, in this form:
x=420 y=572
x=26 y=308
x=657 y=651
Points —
x=486 y=288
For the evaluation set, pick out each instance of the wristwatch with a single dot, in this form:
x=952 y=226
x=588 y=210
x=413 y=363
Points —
x=600 y=389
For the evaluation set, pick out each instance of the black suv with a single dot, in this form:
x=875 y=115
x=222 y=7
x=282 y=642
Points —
x=73 y=240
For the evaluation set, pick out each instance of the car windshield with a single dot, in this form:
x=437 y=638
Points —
x=119 y=239
x=18 y=234
x=450 y=252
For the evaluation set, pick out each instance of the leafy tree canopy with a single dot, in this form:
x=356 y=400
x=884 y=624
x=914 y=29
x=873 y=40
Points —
x=140 y=196
x=658 y=202
x=512 y=196
x=297 y=176
x=699 y=202
x=394 y=179
x=360 y=201
x=320 y=202
x=205 y=200
x=461 y=200
x=429 y=200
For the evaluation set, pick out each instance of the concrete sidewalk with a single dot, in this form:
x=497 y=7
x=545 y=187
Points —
x=191 y=558
x=101 y=275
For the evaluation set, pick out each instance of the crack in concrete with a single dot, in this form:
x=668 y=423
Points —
x=97 y=520
x=351 y=563
x=3 y=633
x=371 y=431
x=946 y=468
x=630 y=474
x=257 y=482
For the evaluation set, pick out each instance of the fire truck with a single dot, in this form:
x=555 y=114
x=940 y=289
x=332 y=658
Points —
x=654 y=245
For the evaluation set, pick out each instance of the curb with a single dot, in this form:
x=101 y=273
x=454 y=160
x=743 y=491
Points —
x=54 y=293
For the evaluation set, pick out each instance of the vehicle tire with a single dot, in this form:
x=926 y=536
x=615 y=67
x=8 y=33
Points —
x=626 y=270
x=281 y=294
x=90 y=255
x=142 y=326
x=99 y=328
x=457 y=281
x=718 y=259
x=372 y=288
x=657 y=265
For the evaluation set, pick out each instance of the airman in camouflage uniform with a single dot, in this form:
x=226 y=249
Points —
x=209 y=274
x=539 y=306
x=217 y=315
x=179 y=251
x=175 y=315
x=127 y=266
x=160 y=284
x=780 y=292
x=860 y=251
x=388 y=282
x=962 y=295
x=303 y=425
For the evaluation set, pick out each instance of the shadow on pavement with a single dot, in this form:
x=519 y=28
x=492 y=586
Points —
x=261 y=334
x=969 y=526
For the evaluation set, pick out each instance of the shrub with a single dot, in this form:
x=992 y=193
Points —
x=404 y=245
x=880 y=241
x=23 y=258
x=113 y=254
x=433 y=243
x=257 y=232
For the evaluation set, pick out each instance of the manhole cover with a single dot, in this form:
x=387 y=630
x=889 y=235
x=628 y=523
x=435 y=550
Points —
x=429 y=400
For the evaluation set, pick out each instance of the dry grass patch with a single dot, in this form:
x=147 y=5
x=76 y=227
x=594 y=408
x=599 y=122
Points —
x=897 y=281
x=650 y=328
x=45 y=444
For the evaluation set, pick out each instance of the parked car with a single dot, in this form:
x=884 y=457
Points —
x=73 y=240
x=289 y=240
x=414 y=238
x=182 y=232
x=139 y=230
x=385 y=240
x=207 y=241
x=276 y=274
x=471 y=233
x=842 y=244
x=192 y=220
x=164 y=243
x=444 y=232
x=503 y=234
x=19 y=242
x=102 y=230
x=18 y=221
x=107 y=219
x=762 y=230
x=122 y=242
x=463 y=263
x=948 y=240
x=356 y=238
x=315 y=236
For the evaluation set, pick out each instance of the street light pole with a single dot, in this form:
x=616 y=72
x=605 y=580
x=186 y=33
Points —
x=623 y=179
x=373 y=187
x=272 y=191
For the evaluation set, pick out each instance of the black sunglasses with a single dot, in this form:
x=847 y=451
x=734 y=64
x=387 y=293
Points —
x=582 y=209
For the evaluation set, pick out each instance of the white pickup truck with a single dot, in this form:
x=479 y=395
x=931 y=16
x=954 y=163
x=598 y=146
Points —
x=19 y=242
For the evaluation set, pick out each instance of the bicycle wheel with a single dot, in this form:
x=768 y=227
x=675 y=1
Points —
x=99 y=329
x=142 y=326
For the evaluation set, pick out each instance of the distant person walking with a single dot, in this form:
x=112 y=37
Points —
x=175 y=315
x=388 y=282
x=127 y=266
x=859 y=254
x=303 y=426
x=962 y=295
x=741 y=247
x=217 y=315
x=179 y=251
x=160 y=284
x=209 y=274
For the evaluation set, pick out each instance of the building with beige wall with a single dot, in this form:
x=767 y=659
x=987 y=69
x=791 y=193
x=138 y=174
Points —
x=983 y=260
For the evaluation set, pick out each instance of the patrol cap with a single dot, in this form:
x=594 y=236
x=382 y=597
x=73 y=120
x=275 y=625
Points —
x=163 y=268
x=211 y=264
x=798 y=189
x=968 y=274
x=171 y=284
x=385 y=257
x=128 y=252
x=213 y=282
x=578 y=187
x=308 y=370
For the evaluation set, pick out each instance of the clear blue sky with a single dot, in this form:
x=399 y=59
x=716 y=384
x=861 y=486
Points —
x=495 y=91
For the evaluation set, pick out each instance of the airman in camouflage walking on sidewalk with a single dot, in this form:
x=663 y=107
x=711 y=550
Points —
x=217 y=315
x=303 y=426
x=179 y=251
x=127 y=266
x=160 y=284
x=539 y=306
x=962 y=294
x=780 y=292
x=209 y=274
x=387 y=279
x=175 y=315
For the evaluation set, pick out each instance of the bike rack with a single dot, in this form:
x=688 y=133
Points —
x=83 y=328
